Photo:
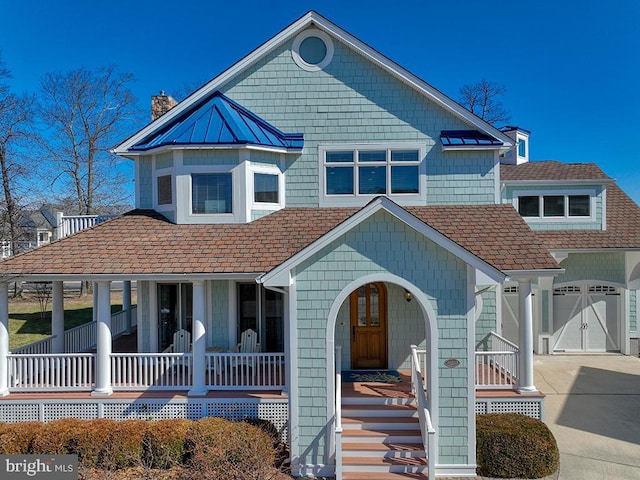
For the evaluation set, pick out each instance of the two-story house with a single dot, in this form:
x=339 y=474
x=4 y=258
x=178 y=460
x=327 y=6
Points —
x=321 y=197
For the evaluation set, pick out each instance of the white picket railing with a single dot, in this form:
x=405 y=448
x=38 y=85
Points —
x=80 y=338
x=244 y=371
x=427 y=430
x=70 y=224
x=36 y=348
x=151 y=371
x=497 y=368
x=51 y=372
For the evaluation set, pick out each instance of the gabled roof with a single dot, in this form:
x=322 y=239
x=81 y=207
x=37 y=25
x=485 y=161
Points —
x=143 y=244
x=218 y=120
x=314 y=18
x=552 y=170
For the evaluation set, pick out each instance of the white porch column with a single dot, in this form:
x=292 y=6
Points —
x=57 y=317
x=199 y=341
x=526 y=337
x=126 y=303
x=103 y=355
x=4 y=339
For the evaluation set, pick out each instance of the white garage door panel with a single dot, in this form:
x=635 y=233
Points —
x=568 y=322
x=586 y=319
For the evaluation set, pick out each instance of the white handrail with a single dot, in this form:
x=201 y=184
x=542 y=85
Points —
x=36 y=348
x=338 y=419
x=70 y=224
x=427 y=430
x=151 y=371
x=244 y=371
x=51 y=372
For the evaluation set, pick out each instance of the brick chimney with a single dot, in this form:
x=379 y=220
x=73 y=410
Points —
x=161 y=104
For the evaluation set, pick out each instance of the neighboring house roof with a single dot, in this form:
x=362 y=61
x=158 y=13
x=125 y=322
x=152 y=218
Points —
x=552 y=170
x=317 y=20
x=218 y=120
x=143 y=242
x=623 y=228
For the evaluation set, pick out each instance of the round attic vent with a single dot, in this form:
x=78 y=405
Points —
x=312 y=50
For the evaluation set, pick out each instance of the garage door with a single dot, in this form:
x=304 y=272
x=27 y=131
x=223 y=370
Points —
x=586 y=318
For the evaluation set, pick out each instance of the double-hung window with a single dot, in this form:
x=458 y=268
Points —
x=371 y=171
x=211 y=193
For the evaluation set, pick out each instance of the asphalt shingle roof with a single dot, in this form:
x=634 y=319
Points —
x=143 y=242
x=552 y=170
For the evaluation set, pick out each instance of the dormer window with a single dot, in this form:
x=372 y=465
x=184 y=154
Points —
x=555 y=206
x=522 y=147
x=212 y=193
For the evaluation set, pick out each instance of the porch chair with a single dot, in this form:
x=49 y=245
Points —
x=248 y=344
x=181 y=343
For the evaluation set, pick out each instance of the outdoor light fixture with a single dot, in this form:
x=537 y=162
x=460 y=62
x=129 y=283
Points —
x=407 y=295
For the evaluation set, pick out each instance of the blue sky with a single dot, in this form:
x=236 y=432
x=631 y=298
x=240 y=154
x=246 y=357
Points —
x=571 y=67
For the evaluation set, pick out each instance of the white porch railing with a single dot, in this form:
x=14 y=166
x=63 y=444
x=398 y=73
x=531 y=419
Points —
x=36 y=348
x=426 y=427
x=151 y=371
x=497 y=367
x=82 y=337
x=70 y=224
x=52 y=372
x=244 y=371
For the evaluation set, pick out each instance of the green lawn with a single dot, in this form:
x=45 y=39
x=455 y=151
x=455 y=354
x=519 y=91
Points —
x=26 y=325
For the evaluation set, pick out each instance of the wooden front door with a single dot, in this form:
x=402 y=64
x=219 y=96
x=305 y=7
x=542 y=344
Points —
x=369 y=326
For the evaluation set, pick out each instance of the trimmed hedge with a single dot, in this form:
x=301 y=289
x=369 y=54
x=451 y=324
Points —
x=208 y=448
x=510 y=445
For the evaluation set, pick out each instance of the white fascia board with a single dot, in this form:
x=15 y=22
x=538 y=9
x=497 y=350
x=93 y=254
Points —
x=169 y=148
x=593 y=250
x=528 y=274
x=345 y=37
x=281 y=273
x=169 y=277
x=457 y=148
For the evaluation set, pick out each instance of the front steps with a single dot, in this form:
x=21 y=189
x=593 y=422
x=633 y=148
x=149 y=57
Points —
x=381 y=439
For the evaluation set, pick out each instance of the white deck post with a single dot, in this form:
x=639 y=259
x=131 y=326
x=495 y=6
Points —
x=526 y=337
x=126 y=303
x=57 y=317
x=4 y=339
x=103 y=356
x=199 y=339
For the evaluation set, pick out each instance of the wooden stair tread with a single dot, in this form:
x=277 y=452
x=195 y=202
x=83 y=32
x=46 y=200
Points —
x=382 y=447
x=375 y=461
x=389 y=420
x=383 y=476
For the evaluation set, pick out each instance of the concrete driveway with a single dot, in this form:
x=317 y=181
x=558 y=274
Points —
x=592 y=407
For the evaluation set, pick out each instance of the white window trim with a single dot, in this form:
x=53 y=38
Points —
x=564 y=219
x=295 y=49
x=161 y=172
x=252 y=169
x=357 y=199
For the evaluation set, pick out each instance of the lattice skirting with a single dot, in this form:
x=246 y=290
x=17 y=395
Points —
x=532 y=407
x=276 y=411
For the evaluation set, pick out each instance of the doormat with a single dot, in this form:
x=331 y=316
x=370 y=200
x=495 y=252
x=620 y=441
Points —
x=372 y=376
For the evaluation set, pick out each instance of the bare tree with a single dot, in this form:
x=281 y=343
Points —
x=87 y=112
x=16 y=121
x=483 y=99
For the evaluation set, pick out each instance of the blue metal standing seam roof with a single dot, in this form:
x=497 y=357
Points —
x=218 y=120
x=467 y=138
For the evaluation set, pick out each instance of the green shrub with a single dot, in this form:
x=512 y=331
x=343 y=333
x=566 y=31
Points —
x=164 y=443
x=218 y=448
x=16 y=438
x=515 y=446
